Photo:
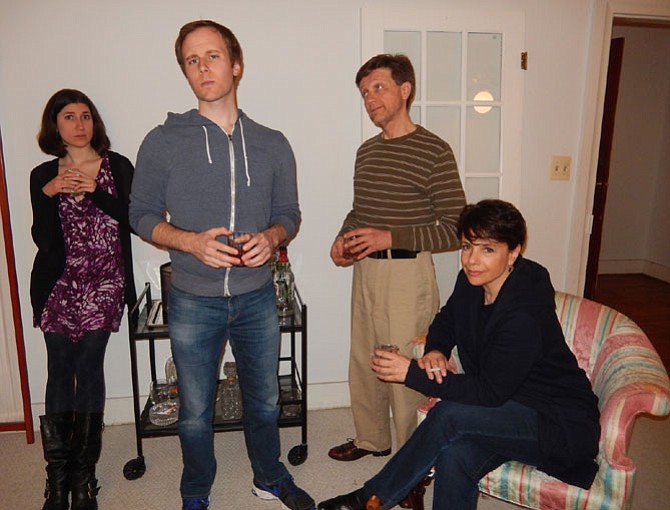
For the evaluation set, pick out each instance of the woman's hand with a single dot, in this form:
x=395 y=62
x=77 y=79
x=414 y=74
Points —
x=59 y=184
x=81 y=183
x=389 y=366
x=435 y=365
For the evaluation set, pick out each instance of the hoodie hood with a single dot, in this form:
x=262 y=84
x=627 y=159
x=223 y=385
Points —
x=192 y=119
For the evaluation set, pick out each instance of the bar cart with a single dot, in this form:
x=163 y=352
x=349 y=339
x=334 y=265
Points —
x=145 y=325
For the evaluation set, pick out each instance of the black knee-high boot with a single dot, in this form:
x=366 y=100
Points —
x=56 y=431
x=86 y=446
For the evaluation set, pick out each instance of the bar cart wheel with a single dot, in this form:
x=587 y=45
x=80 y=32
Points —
x=297 y=455
x=134 y=468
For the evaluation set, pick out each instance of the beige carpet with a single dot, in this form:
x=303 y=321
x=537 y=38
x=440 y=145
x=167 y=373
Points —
x=22 y=468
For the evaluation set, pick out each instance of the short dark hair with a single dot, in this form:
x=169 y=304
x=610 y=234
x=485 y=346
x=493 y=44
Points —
x=50 y=140
x=232 y=44
x=401 y=71
x=493 y=219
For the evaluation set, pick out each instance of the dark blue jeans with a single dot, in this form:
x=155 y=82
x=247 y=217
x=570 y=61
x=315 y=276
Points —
x=463 y=443
x=76 y=373
x=199 y=326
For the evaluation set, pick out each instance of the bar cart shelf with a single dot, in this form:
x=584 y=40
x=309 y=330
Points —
x=292 y=379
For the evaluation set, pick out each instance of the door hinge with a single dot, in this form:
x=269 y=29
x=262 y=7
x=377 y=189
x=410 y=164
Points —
x=524 y=60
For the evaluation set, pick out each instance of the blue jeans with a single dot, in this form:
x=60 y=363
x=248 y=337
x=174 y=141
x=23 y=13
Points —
x=199 y=327
x=463 y=443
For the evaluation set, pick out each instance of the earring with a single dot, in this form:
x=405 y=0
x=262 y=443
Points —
x=510 y=269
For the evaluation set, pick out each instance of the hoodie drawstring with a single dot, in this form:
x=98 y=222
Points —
x=209 y=156
x=244 y=151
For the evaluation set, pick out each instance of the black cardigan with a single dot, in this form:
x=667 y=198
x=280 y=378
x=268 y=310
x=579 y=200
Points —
x=47 y=231
x=521 y=356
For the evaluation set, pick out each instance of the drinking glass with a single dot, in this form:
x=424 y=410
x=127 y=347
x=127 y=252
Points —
x=347 y=254
x=160 y=391
x=387 y=347
x=165 y=404
x=292 y=409
x=237 y=241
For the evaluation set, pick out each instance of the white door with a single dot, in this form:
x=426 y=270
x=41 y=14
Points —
x=469 y=92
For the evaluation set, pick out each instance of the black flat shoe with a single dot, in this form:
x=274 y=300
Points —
x=353 y=501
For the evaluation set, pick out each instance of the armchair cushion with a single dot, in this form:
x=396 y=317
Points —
x=629 y=379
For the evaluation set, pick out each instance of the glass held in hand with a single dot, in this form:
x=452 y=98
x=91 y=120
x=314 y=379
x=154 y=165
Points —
x=346 y=252
x=237 y=240
x=77 y=174
x=387 y=348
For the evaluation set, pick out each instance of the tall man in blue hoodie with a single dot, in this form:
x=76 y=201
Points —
x=214 y=171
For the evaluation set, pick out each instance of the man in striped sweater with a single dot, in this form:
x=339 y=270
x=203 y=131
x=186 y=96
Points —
x=407 y=199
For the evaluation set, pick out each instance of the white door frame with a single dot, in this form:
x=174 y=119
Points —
x=602 y=17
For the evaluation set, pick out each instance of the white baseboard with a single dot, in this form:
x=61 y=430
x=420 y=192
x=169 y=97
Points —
x=647 y=267
x=328 y=395
x=658 y=271
x=620 y=266
x=119 y=411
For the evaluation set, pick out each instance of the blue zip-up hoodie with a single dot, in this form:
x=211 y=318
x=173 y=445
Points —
x=204 y=178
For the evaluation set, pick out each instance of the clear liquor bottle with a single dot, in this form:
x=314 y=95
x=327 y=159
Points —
x=284 y=283
x=231 y=399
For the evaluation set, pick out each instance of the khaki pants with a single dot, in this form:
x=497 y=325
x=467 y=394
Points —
x=392 y=301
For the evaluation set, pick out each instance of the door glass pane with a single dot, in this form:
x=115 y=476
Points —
x=482 y=133
x=445 y=122
x=484 y=65
x=443 y=66
x=415 y=114
x=479 y=188
x=407 y=43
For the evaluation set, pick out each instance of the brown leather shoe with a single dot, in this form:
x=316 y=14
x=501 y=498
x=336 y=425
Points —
x=374 y=503
x=349 y=451
x=352 y=501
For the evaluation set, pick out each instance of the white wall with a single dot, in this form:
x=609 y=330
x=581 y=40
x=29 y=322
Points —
x=636 y=231
x=301 y=57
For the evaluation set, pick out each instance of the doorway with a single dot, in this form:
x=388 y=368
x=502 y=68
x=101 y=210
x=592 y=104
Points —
x=633 y=235
x=628 y=270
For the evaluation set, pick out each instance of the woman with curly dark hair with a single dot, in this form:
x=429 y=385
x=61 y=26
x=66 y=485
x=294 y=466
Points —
x=81 y=279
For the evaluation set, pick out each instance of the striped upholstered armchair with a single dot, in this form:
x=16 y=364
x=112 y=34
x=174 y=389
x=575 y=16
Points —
x=629 y=379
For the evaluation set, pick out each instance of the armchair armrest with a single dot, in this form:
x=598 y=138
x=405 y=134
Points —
x=629 y=379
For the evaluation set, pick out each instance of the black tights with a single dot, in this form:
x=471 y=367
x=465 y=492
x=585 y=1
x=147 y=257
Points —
x=76 y=373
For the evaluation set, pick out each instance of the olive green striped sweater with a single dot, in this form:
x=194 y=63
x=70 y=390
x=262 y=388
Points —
x=410 y=186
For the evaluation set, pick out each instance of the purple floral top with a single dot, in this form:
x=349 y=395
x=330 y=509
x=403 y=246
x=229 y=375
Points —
x=89 y=294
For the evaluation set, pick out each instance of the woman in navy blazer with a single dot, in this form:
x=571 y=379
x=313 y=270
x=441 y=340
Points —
x=521 y=395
